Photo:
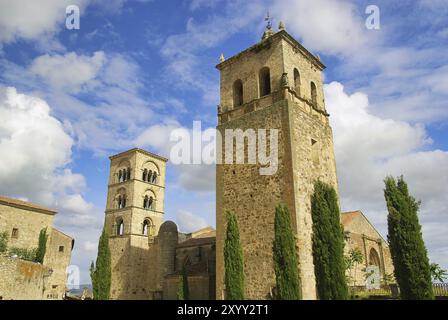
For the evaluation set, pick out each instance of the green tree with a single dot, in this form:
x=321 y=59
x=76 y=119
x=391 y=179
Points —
x=437 y=273
x=233 y=260
x=328 y=244
x=285 y=257
x=354 y=258
x=3 y=241
x=42 y=246
x=101 y=273
x=183 y=292
x=409 y=256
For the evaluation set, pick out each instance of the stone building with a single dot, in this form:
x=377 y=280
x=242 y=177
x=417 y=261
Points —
x=22 y=221
x=361 y=234
x=275 y=84
x=148 y=254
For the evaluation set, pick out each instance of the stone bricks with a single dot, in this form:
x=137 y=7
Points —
x=305 y=153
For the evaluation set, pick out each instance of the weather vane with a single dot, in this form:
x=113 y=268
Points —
x=268 y=19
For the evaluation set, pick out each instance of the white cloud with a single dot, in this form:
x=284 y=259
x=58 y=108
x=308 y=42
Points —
x=33 y=20
x=189 y=222
x=329 y=26
x=368 y=148
x=185 y=52
x=69 y=72
x=90 y=246
x=35 y=154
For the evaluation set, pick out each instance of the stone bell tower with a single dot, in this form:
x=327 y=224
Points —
x=275 y=84
x=134 y=214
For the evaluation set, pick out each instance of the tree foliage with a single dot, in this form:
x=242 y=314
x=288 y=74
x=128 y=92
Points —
x=183 y=292
x=3 y=241
x=328 y=244
x=42 y=246
x=409 y=255
x=101 y=273
x=233 y=260
x=285 y=257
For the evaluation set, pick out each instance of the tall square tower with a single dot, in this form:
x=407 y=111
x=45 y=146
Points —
x=134 y=214
x=275 y=84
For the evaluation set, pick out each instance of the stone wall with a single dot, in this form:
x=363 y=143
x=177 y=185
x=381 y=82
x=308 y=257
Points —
x=22 y=280
x=57 y=258
x=29 y=223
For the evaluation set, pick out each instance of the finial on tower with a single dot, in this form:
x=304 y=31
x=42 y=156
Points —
x=269 y=20
x=221 y=58
x=268 y=32
x=281 y=26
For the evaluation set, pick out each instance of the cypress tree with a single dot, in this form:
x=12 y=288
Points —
x=101 y=276
x=285 y=257
x=42 y=246
x=233 y=260
x=183 y=292
x=328 y=244
x=409 y=255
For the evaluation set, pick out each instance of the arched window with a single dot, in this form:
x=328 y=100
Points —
x=120 y=176
x=119 y=202
x=154 y=177
x=128 y=175
x=123 y=200
x=374 y=258
x=313 y=93
x=145 y=202
x=120 y=227
x=297 y=82
x=237 y=93
x=150 y=202
x=145 y=174
x=147 y=227
x=264 y=81
x=149 y=175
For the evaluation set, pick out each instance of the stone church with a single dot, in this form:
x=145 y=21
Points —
x=275 y=84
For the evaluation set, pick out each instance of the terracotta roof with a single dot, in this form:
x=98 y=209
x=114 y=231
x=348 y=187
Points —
x=25 y=205
x=347 y=217
x=197 y=242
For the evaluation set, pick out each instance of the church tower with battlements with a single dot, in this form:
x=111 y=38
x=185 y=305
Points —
x=275 y=84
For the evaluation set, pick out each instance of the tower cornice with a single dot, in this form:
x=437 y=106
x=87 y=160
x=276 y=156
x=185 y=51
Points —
x=282 y=34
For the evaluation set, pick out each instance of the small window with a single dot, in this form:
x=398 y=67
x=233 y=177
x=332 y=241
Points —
x=297 y=81
x=315 y=152
x=145 y=173
x=15 y=233
x=237 y=93
x=61 y=248
x=120 y=227
x=264 y=81
x=313 y=93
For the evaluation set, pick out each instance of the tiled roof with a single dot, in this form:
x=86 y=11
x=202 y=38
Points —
x=25 y=205
x=347 y=217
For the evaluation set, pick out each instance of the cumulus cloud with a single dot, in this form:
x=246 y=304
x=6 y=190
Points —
x=188 y=222
x=193 y=177
x=33 y=20
x=69 y=72
x=35 y=154
x=328 y=26
x=368 y=148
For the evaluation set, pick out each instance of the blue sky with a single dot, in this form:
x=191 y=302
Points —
x=135 y=70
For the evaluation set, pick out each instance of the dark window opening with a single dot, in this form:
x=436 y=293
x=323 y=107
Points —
x=265 y=81
x=237 y=93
